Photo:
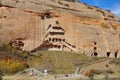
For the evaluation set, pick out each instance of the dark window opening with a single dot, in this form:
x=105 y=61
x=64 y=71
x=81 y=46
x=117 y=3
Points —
x=42 y=17
x=108 y=54
x=49 y=39
x=56 y=27
x=95 y=48
x=48 y=15
x=0 y=5
x=116 y=53
x=57 y=33
x=63 y=40
x=95 y=54
x=59 y=47
x=5 y=16
x=53 y=39
x=56 y=39
x=95 y=43
x=59 y=40
x=21 y=43
x=55 y=46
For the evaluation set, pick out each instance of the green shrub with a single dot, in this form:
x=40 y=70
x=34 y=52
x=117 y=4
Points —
x=10 y=66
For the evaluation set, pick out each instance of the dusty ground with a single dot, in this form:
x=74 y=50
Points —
x=35 y=78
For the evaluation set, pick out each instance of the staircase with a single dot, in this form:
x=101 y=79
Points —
x=70 y=47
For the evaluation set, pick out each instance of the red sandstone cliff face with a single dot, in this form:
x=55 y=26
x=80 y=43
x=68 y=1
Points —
x=87 y=29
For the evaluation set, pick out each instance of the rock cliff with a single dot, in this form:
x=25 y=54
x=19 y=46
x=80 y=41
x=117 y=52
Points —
x=38 y=25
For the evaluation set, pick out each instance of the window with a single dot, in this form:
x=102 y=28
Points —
x=116 y=53
x=108 y=54
x=95 y=43
x=48 y=15
x=95 y=54
x=49 y=39
x=95 y=48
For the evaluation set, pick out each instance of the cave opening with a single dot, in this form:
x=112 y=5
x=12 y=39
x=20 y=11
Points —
x=95 y=48
x=108 y=54
x=95 y=54
x=116 y=54
x=48 y=15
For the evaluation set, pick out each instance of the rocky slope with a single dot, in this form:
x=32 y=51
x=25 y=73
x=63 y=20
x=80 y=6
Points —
x=31 y=25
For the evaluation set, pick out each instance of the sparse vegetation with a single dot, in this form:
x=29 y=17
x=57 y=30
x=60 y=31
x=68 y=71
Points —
x=109 y=71
x=61 y=62
x=115 y=61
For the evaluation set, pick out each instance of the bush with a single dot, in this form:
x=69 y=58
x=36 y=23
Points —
x=10 y=66
x=6 y=51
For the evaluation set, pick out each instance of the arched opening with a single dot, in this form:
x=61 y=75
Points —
x=63 y=40
x=95 y=54
x=59 y=40
x=108 y=54
x=53 y=40
x=116 y=53
x=95 y=48
x=95 y=43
